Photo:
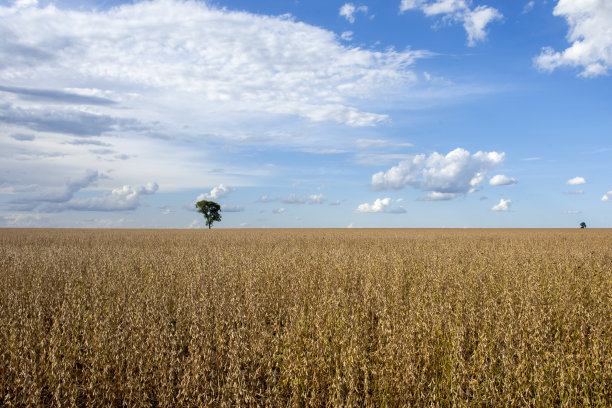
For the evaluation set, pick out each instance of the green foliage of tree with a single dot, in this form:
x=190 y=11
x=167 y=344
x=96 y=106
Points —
x=583 y=224
x=210 y=210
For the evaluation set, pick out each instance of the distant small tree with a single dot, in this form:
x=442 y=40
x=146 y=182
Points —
x=210 y=210
x=583 y=224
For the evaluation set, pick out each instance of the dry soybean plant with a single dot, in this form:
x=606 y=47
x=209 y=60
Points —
x=229 y=318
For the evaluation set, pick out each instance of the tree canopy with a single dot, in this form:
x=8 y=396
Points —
x=210 y=210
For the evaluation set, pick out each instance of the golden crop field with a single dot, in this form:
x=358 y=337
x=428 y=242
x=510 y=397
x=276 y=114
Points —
x=306 y=318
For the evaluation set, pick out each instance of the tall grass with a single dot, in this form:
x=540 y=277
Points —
x=306 y=318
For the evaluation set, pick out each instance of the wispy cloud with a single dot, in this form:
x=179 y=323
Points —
x=474 y=20
x=107 y=48
x=56 y=96
x=348 y=11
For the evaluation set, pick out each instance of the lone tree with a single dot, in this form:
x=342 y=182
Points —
x=583 y=224
x=210 y=210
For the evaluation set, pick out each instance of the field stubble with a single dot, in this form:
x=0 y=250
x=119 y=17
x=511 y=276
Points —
x=306 y=318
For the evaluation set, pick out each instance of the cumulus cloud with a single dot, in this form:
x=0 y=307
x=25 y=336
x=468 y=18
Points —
x=576 y=181
x=474 y=20
x=457 y=172
x=607 y=196
x=406 y=173
x=589 y=35
x=502 y=180
x=348 y=11
x=316 y=199
x=380 y=205
x=279 y=210
x=216 y=193
x=503 y=205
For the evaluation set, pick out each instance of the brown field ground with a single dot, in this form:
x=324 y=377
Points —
x=306 y=318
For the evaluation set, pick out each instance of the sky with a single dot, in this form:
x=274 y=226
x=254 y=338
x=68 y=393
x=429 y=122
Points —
x=306 y=113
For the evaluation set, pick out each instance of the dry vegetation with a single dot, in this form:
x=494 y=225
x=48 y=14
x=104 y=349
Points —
x=306 y=318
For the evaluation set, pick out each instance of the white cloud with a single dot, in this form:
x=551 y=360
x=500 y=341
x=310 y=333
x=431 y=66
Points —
x=528 y=6
x=574 y=192
x=232 y=208
x=380 y=205
x=317 y=199
x=265 y=199
x=23 y=137
x=175 y=80
x=474 y=20
x=279 y=210
x=607 y=196
x=406 y=173
x=502 y=180
x=437 y=196
x=23 y=220
x=590 y=37
x=503 y=205
x=347 y=35
x=475 y=23
x=119 y=199
x=576 y=181
x=572 y=212
x=292 y=199
x=25 y=3
x=197 y=54
x=378 y=143
x=348 y=11
x=458 y=172
x=215 y=193
x=62 y=195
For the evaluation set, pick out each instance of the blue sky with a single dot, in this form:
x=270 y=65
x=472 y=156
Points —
x=403 y=113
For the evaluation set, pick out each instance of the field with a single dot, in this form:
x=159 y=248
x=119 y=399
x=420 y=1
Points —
x=306 y=318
